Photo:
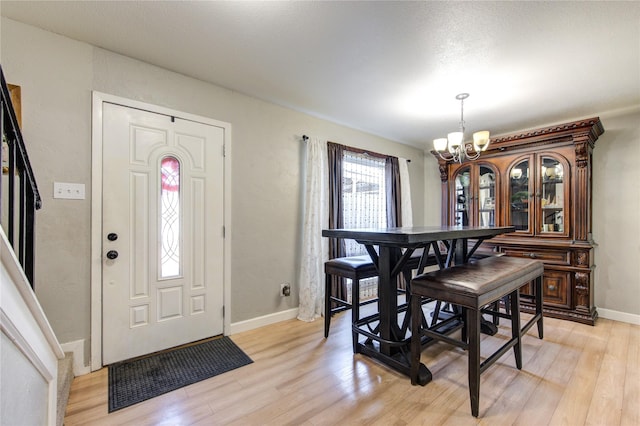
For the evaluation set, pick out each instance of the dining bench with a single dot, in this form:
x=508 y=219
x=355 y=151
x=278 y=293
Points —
x=474 y=286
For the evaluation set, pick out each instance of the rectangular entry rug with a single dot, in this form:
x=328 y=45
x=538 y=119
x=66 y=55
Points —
x=131 y=382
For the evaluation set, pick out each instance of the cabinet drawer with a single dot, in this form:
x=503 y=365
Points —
x=555 y=288
x=555 y=285
x=558 y=257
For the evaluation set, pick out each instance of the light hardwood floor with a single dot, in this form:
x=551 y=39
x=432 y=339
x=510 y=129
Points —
x=577 y=375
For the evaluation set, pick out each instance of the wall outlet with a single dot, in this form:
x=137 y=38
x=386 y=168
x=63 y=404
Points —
x=285 y=289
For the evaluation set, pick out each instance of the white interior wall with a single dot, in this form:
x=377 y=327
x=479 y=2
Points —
x=616 y=228
x=57 y=76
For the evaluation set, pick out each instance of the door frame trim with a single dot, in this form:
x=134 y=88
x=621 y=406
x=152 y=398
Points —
x=97 y=99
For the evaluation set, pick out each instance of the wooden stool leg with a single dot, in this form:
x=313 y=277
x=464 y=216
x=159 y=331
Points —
x=436 y=313
x=355 y=312
x=416 y=337
x=473 y=331
x=515 y=327
x=327 y=304
x=538 y=290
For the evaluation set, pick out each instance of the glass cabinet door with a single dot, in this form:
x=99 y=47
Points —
x=486 y=197
x=551 y=193
x=519 y=196
x=462 y=197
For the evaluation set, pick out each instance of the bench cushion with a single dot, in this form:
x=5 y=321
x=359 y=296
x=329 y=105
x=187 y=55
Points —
x=477 y=283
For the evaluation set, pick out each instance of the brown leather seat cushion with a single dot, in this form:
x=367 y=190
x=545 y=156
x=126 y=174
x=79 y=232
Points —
x=479 y=282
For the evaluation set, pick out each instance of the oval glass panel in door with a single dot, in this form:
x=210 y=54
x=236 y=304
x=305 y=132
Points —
x=519 y=196
x=552 y=195
x=170 y=217
x=463 y=197
x=487 y=197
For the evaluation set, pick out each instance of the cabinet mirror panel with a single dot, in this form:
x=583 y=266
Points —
x=551 y=195
x=462 y=196
x=487 y=197
x=519 y=196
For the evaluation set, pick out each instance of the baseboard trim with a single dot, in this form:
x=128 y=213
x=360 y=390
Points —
x=77 y=348
x=254 y=323
x=619 y=316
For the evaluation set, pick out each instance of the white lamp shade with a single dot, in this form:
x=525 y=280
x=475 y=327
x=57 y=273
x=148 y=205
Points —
x=481 y=140
x=455 y=139
x=516 y=173
x=440 y=144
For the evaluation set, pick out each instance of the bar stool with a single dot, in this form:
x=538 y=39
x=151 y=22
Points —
x=357 y=268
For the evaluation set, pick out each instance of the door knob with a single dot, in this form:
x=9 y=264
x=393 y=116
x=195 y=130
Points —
x=112 y=254
x=112 y=236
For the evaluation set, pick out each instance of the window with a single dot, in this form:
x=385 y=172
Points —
x=364 y=193
x=364 y=203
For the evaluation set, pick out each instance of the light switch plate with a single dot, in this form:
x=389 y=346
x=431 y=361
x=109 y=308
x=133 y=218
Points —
x=69 y=191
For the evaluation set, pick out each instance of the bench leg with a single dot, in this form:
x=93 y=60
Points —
x=327 y=304
x=538 y=290
x=516 y=333
x=473 y=331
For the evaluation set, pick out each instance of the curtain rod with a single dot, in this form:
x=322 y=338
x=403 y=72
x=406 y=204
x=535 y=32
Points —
x=306 y=138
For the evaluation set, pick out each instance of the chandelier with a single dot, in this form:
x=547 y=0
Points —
x=454 y=147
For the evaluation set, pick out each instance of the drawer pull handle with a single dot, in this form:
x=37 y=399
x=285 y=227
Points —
x=532 y=255
x=551 y=287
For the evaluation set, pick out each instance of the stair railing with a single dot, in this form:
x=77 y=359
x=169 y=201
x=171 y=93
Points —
x=19 y=196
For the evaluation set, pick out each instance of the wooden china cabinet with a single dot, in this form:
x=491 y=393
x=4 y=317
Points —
x=538 y=181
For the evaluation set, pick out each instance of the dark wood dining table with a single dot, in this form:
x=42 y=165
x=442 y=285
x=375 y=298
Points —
x=390 y=249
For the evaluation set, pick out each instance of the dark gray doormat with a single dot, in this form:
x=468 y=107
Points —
x=135 y=381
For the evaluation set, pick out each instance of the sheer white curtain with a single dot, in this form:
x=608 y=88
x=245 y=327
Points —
x=315 y=248
x=405 y=193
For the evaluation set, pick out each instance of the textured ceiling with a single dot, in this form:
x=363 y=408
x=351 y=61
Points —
x=389 y=68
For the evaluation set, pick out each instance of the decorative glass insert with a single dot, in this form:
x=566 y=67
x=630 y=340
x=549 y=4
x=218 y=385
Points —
x=463 y=196
x=519 y=196
x=487 y=197
x=170 y=217
x=552 y=201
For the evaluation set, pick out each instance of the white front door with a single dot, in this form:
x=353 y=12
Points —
x=163 y=247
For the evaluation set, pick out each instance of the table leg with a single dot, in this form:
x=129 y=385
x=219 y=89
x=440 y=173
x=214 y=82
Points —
x=393 y=348
x=387 y=294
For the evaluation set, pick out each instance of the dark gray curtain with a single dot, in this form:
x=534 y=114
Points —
x=336 y=218
x=392 y=176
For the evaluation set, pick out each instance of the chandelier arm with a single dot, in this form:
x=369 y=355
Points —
x=445 y=158
x=474 y=156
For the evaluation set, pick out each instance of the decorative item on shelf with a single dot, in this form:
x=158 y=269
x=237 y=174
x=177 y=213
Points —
x=489 y=203
x=456 y=149
x=487 y=180
x=520 y=196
